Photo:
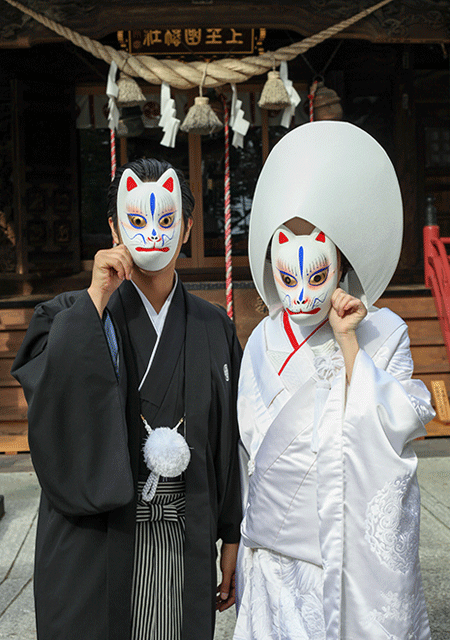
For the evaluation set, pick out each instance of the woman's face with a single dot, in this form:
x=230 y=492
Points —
x=305 y=269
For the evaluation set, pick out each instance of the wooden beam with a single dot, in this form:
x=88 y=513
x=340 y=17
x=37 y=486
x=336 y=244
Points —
x=423 y=22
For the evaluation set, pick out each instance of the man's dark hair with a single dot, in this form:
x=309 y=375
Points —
x=150 y=170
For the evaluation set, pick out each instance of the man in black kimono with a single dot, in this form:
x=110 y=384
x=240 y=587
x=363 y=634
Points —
x=109 y=564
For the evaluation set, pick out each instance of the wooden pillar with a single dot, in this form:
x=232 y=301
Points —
x=195 y=182
x=265 y=134
x=406 y=166
x=18 y=176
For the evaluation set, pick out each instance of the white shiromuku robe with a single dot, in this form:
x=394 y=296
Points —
x=330 y=535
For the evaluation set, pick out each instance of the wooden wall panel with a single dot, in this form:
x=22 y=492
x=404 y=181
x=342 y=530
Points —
x=6 y=379
x=14 y=405
x=428 y=349
x=10 y=341
x=412 y=307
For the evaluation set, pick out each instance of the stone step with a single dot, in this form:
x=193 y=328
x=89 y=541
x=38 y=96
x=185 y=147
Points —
x=12 y=445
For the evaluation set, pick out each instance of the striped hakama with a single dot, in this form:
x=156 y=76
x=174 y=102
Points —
x=156 y=600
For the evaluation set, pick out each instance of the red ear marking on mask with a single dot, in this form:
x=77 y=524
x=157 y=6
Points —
x=168 y=184
x=131 y=184
x=321 y=237
x=282 y=238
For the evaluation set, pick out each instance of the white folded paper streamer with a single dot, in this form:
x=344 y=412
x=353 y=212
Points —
x=238 y=123
x=168 y=121
x=112 y=91
x=293 y=96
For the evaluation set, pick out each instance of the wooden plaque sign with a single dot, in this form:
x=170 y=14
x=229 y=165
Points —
x=192 y=40
x=440 y=397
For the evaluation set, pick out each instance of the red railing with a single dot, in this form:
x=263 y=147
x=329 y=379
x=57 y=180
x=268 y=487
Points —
x=437 y=269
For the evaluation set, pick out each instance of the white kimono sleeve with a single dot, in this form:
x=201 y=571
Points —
x=368 y=498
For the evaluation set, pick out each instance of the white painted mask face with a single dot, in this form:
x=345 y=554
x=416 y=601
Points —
x=150 y=218
x=305 y=270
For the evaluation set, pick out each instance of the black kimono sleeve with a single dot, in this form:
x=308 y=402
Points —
x=76 y=420
x=229 y=504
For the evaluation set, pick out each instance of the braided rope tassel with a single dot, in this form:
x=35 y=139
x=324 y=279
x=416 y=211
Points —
x=166 y=453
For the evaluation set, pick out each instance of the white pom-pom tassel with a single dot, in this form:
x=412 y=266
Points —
x=166 y=453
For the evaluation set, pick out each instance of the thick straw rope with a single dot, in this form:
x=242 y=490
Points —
x=186 y=75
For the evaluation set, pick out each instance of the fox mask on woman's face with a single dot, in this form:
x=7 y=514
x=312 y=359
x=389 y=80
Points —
x=305 y=269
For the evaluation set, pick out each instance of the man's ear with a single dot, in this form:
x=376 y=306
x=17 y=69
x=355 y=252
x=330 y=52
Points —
x=114 y=234
x=187 y=231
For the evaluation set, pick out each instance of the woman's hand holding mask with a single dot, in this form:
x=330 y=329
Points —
x=344 y=317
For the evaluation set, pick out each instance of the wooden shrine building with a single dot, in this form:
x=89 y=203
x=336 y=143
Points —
x=389 y=69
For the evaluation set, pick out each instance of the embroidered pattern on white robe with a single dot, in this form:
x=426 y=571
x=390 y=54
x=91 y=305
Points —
x=392 y=524
x=399 y=609
x=283 y=599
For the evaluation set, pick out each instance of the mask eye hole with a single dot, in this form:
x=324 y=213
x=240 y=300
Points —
x=166 y=220
x=137 y=221
x=288 y=279
x=319 y=277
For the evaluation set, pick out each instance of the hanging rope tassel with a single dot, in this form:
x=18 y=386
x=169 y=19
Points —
x=166 y=453
x=274 y=95
x=200 y=118
x=227 y=194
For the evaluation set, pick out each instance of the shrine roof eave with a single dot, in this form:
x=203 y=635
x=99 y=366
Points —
x=414 y=21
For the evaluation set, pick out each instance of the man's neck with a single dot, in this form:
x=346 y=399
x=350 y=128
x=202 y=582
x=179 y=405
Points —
x=155 y=285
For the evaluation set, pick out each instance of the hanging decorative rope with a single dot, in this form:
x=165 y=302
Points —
x=113 y=152
x=113 y=114
x=227 y=200
x=311 y=95
x=186 y=75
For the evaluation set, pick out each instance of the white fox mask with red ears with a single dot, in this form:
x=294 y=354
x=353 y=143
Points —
x=305 y=270
x=149 y=216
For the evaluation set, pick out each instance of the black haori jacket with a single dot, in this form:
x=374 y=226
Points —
x=85 y=442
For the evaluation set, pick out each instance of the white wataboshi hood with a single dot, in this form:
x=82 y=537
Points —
x=337 y=177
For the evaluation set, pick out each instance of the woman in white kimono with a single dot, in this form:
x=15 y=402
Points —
x=327 y=407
